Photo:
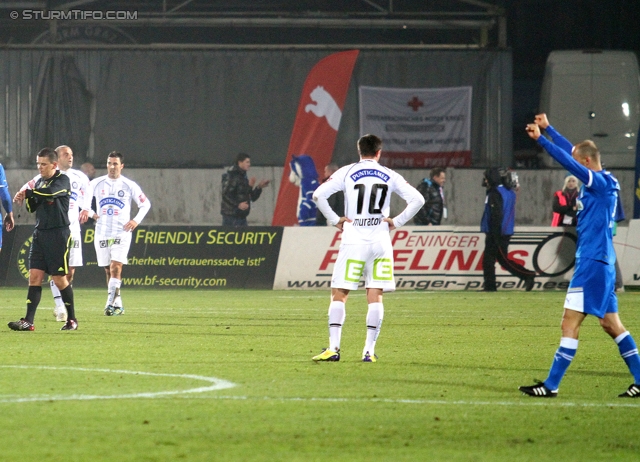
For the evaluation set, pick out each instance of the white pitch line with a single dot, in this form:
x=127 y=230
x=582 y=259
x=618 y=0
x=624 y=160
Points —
x=527 y=402
x=217 y=384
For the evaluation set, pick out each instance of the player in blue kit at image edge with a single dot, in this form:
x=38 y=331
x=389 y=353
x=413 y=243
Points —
x=592 y=287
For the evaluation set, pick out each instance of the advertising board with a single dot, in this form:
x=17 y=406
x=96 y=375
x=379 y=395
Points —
x=298 y=258
x=190 y=257
x=431 y=257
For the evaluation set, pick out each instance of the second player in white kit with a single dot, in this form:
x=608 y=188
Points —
x=113 y=193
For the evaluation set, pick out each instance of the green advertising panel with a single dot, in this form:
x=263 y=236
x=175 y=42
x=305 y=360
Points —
x=190 y=257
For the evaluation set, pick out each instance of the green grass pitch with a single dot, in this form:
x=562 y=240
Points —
x=154 y=384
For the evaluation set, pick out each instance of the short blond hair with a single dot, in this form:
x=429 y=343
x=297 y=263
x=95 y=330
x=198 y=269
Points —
x=588 y=148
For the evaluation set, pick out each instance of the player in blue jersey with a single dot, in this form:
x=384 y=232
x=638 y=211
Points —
x=591 y=290
x=5 y=199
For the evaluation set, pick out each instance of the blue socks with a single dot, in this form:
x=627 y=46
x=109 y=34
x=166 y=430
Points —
x=561 y=361
x=567 y=350
x=629 y=352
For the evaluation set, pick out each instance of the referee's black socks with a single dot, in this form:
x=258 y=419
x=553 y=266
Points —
x=67 y=299
x=33 y=300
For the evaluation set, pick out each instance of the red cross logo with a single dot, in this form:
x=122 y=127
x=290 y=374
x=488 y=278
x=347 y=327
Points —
x=415 y=103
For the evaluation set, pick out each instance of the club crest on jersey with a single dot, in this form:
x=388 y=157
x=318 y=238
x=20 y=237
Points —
x=74 y=185
x=369 y=172
x=112 y=201
x=121 y=193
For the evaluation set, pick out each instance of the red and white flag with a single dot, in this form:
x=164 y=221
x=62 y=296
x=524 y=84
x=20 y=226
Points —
x=316 y=126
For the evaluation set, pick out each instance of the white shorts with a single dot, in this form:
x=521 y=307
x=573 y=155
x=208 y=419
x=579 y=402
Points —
x=373 y=261
x=112 y=249
x=75 y=251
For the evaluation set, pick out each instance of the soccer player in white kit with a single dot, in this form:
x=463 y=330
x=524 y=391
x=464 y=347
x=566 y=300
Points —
x=114 y=193
x=366 y=249
x=79 y=189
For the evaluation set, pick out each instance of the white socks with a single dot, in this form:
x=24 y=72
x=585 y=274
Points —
x=114 y=286
x=57 y=298
x=337 y=314
x=375 y=314
x=336 y=320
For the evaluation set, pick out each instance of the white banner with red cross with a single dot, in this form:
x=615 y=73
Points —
x=419 y=127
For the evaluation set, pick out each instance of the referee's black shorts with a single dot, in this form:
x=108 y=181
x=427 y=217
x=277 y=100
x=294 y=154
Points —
x=49 y=251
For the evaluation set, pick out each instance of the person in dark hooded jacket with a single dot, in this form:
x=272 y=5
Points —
x=238 y=192
x=498 y=224
x=432 y=189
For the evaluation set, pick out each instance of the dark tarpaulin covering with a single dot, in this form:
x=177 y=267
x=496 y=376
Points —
x=62 y=107
x=199 y=109
x=169 y=108
x=191 y=109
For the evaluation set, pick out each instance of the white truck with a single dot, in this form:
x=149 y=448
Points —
x=594 y=94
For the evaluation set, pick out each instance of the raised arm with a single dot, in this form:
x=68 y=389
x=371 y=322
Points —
x=562 y=156
x=543 y=122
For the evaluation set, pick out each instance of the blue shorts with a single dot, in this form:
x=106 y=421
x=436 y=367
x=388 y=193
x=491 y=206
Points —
x=592 y=288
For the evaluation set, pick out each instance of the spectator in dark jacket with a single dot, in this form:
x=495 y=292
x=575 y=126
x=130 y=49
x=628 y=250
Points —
x=432 y=190
x=238 y=192
x=498 y=223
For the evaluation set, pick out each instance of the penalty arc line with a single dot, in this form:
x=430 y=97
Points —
x=217 y=384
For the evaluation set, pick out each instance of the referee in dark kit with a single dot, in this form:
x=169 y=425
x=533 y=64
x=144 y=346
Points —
x=49 y=252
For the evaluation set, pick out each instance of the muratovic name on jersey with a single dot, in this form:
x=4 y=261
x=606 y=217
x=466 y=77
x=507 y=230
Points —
x=367 y=221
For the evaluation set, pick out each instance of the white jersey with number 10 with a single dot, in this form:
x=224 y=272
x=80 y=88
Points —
x=367 y=188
